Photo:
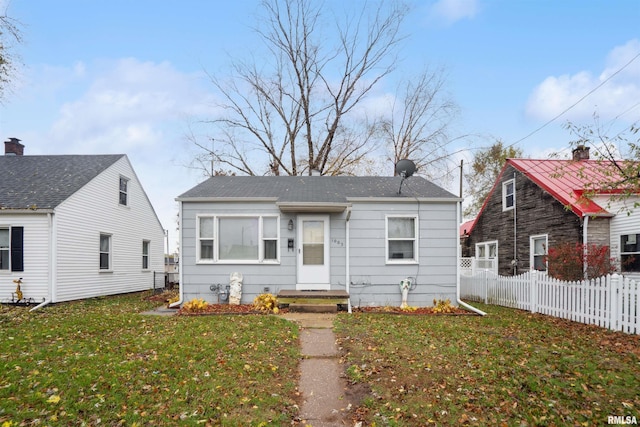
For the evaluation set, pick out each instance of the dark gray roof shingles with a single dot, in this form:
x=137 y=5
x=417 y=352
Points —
x=43 y=182
x=320 y=189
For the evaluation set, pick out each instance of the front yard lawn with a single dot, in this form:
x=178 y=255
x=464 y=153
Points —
x=508 y=368
x=100 y=362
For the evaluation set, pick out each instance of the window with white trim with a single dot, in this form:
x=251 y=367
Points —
x=402 y=239
x=5 y=249
x=630 y=253
x=12 y=248
x=123 y=193
x=105 y=251
x=238 y=239
x=539 y=252
x=145 y=254
x=486 y=253
x=508 y=194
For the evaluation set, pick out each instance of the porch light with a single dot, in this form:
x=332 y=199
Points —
x=290 y=225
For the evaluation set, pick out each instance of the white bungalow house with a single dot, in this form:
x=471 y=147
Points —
x=74 y=226
x=357 y=235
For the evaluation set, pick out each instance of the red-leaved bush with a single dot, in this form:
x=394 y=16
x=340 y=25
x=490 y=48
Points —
x=567 y=260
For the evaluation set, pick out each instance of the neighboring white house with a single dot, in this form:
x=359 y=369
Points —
x=75 y=226
x=320 y=233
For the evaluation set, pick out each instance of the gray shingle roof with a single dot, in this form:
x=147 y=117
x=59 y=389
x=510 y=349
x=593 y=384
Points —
x=323 y=189
x=43 y=182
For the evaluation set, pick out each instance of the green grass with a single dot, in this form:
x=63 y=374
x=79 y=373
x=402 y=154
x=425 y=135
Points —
x=508 y=368
x=101 y=362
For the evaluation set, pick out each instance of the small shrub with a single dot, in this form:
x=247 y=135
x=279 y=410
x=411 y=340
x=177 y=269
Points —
x=443 y=306
x=267 y=303
x=409 y=309
x=196 y=305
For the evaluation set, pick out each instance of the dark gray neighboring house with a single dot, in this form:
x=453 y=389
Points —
x=320 y=233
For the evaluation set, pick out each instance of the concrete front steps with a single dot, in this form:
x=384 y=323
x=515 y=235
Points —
x=313 y=301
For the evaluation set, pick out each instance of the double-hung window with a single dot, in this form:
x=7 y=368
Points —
x=145 y=254
x=486 y=254
x=11 y=249
x=539 y=253
x=5 y=249
x=123 y=193
x=402 y=239
x=508 y=194
x=238 y=239
x=630 y=252
x=105 y=252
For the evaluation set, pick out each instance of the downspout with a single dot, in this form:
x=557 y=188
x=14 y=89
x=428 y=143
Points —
x=51 y=266
x=180 y=264
x=585 y=227
x=346 y=268
x=458 y=255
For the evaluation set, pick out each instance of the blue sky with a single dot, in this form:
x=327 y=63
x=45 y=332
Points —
x=127 y=76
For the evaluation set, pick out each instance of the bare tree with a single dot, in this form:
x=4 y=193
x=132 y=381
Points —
x=417 y=127
x=10 y=35
x=293 y=107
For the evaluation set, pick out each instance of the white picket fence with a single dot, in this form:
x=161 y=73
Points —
x=611 y=301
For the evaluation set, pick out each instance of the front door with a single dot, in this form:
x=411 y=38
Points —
x=313 y=252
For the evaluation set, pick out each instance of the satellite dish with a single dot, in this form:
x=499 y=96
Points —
x=405 y=168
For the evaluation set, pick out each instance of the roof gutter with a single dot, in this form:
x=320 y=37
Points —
x=458 y=255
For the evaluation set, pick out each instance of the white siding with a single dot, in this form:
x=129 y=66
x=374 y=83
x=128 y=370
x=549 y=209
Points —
x=198 y=278
x=93 y=210
x=35 y=276
x=625 y=221
x=377 y=283
x=374 y=282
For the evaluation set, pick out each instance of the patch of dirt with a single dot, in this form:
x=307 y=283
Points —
x=226 y=309
x=411 y=311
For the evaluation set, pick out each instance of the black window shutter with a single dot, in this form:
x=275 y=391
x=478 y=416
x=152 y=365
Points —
x=17 y=248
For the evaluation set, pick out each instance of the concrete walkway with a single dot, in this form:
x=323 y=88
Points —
x=322 y=381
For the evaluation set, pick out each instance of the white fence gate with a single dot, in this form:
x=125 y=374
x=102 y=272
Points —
x=611 y=301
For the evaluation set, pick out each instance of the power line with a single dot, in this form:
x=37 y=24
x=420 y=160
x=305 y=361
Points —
x=575 y=103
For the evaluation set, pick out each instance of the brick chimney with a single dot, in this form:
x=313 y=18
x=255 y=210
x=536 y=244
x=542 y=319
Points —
x=581 y=152
x=12 y=147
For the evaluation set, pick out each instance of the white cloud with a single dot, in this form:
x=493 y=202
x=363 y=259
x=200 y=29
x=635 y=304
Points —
x=450 y=11
x=123 y=106
x=557 y=93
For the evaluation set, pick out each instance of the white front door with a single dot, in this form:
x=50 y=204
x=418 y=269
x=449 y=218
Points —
x=313 y=252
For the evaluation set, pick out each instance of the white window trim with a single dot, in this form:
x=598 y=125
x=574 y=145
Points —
x=110 y=253
x=532 y=249
x=126 y=193
x=216 y=241
x=416 y=240
x=486 y=245
x=148 y=255
x=504 y=195
x=199 y=259
x=8 y=249
x=622 y=252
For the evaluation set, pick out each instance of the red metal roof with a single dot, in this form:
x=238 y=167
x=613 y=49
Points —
x=566 y=180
